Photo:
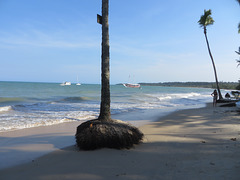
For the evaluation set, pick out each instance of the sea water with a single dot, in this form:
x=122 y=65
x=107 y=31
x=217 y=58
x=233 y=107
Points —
x=26 y=105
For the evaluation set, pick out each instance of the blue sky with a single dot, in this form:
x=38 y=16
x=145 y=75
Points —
x=152 y=41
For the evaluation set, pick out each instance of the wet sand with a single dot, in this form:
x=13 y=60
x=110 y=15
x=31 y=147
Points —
x=188 y=144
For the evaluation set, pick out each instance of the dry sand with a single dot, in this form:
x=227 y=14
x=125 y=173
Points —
x=189 y=144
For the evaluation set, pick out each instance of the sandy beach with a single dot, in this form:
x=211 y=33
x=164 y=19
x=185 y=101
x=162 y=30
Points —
x=188 y=144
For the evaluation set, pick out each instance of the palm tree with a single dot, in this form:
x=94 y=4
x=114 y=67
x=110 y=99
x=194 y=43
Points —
x=104 y=131
x=239 y=28
x=238 y=52
x=105 y=92
x=238 y=61
x=205 y=21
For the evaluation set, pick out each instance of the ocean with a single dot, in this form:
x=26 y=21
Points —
x=27 y=105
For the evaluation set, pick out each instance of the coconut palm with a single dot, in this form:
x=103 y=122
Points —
x=104 y=131
x=238 y=52
x=105 y=92
x=239 y=28
x=205 y=21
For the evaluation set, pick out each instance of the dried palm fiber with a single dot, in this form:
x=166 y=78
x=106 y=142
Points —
x=95 y=134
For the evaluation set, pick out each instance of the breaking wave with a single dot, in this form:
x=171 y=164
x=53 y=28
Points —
x=50 y=104
x=5 y=108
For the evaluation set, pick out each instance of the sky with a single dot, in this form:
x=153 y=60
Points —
x=150 y=41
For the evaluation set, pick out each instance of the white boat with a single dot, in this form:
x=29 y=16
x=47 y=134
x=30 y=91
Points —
x=132 y=85
x=66 y=84
x=78 y=84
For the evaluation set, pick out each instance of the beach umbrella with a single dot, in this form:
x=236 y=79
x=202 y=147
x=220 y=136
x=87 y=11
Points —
x=104 y=131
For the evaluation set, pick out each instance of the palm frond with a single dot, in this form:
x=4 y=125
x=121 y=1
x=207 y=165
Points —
x=206 y=19
x=238 y=61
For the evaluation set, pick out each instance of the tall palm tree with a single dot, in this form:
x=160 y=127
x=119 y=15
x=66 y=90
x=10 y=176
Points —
x=105 y=132
x=238 y=52
x=239 y=28
x=205 y=21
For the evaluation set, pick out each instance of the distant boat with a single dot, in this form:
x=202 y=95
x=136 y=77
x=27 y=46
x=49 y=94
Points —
x=78 y=84
x=66 y=84
x=129 y=85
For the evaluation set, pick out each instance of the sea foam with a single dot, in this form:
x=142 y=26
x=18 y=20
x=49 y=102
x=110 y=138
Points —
x=5 y=108
x=27 y=105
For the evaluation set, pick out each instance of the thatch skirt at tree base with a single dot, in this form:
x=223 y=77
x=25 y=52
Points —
x=95 y=134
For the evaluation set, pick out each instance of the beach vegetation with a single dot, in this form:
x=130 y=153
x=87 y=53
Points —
x=238 y=61
x=105 y=132
x=222 y=85
x=205 y=21
x=238 y=87
x=239 y=23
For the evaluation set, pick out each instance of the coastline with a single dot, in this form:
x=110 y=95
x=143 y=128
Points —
x=186 y=144
x=24 y=145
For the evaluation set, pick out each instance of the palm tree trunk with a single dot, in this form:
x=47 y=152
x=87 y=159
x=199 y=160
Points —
x=105 y=114
x=214 y=67
x=239 y=28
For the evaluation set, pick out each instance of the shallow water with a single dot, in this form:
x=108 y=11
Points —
x=26 y=105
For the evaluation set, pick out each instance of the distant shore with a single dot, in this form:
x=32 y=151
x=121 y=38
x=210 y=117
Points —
x=222 y=85
x=189 y=144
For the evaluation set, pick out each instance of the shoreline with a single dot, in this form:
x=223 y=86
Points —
x=24 y=145
x=185 y=144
